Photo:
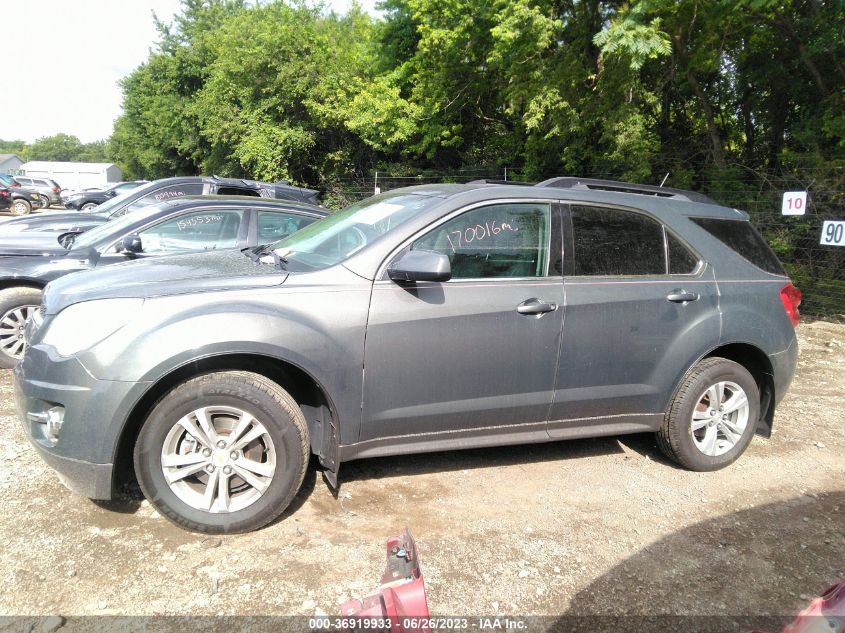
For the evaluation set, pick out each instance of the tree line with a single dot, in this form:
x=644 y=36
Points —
x=635 y=90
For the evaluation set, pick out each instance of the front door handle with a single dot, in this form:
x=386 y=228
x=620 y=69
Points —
x=681 y=296
x=536 y=306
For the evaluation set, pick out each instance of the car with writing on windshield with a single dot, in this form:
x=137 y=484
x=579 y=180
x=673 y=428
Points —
x=422 y=319
x=156 y=191
x=177 y=225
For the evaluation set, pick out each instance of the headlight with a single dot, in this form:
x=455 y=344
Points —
x=82 y=325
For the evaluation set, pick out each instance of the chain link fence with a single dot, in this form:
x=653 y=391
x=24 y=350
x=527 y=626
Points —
x=815 y=268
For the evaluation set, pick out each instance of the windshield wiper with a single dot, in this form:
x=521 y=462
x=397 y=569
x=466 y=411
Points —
x=255 y=253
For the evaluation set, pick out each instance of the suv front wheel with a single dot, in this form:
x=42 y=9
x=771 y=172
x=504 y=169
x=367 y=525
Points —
x=224 y=452
x=712 y=417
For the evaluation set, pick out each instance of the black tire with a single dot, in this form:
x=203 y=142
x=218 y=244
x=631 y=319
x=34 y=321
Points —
x=88 y=207
x=252 y=393
x=675 y=437
x=21 y=207
x=12 y=299
x=45 y=201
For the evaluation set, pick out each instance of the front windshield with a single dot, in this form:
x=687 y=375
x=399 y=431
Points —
x=112 y=227
x=108 y=207
x=337 y=237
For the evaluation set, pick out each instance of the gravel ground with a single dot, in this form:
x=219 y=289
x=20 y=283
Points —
x=600 y=526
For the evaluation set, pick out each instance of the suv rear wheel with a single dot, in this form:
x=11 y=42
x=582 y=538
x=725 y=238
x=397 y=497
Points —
x=712 y=417
x=225 y=452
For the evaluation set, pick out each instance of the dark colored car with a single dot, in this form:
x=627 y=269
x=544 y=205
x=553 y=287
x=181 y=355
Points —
x=156 y=191
x=90 y=199
x=421 y=319
x=5 y=198
x=171 y=226
x=24 y=200
x=48 y=189
x=8 y=181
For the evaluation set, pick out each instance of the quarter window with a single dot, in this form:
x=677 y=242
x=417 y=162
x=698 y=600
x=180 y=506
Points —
x=502 y=240
x=611 y=242
x=199 y=230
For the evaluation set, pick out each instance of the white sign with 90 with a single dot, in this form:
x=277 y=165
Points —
x=833 y=233
x=794 y=203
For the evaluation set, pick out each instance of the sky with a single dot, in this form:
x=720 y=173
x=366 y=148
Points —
x=68 y=59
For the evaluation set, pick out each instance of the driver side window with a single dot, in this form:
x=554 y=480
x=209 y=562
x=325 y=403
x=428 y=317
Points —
x=195 y=231
x=499 y=240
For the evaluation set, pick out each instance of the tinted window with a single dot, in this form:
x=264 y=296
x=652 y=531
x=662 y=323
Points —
x=274 y=226
x=681 y=260
x=197 y=230
x=503 y=240
x=745 y=240
x=613 y=242
x=236 y=191
x=165 y=193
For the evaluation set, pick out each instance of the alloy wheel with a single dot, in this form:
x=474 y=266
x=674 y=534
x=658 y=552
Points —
x=720 y=418
x=12 y=326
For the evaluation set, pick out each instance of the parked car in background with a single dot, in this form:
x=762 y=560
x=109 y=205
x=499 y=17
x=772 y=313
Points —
x=422 y=319
x=5 y=198
x=28 y=261
x=8 y=181
x=164 y=189
x=89 y=199
x=24 y=200
x=48 y=190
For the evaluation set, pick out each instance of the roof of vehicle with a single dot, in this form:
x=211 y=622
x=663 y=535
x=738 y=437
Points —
x=210 y=200
x=649 y=197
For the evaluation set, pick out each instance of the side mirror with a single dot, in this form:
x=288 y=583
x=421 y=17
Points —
x=131 y=244
x=421 y=266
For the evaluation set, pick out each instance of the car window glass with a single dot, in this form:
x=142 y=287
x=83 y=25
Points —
x=236 y=191
x=274 y=226
x=40 y=183
x=198 y=230
x=500 y=240
x=681 y=260
x=610 y=242
x=744 y=239
x=165 y=193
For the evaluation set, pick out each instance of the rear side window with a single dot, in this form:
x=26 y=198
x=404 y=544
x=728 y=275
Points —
x=743 y=238
x=237 y=191
x=611 y=242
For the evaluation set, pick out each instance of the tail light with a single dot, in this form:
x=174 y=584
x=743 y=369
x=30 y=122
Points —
x=4 y=192
x=790 y=296
x=16 y=184
x=56 y=190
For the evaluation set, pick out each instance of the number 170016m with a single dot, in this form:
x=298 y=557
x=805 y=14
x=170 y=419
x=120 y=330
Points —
x=833 y=233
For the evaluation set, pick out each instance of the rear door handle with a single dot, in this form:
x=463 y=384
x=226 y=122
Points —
x=536 y=306
x=681 y=296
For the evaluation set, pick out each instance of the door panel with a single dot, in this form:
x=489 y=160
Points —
x=460 y=356
x=628 y=339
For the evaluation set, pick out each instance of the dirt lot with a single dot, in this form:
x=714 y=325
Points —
x=598 y=526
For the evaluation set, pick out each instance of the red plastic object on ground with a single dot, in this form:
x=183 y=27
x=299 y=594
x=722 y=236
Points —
x=401 y=596
x=825 y=613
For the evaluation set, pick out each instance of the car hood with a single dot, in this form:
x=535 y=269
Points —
x=34 y=243
x=163 y=276
x=48 y=220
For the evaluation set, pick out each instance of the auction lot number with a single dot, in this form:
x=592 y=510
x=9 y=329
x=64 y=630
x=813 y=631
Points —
x=833 y=233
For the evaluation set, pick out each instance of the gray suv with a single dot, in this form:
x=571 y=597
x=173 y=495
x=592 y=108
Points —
x=48 y=190
x=422 y=319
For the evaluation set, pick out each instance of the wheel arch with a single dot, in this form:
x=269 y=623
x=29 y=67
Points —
x=760 y=367
x=35 y=284
x=315 y=402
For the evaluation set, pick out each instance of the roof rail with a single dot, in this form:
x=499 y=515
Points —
x=490 y=181
x=594 y=184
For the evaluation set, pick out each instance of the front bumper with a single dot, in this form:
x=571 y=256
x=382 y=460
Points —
x=95 y=412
